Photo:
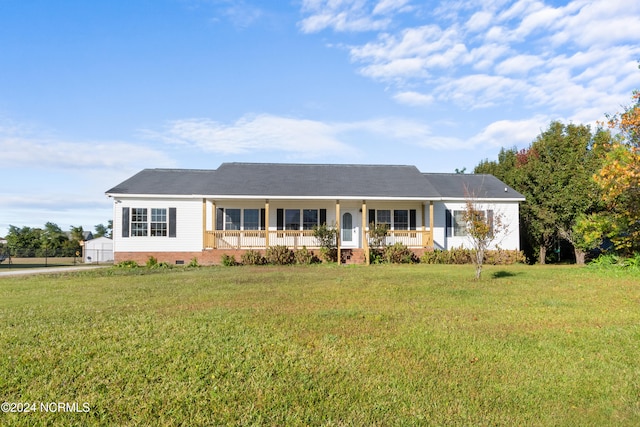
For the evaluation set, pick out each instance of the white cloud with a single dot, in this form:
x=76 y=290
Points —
x=519 y=64
x=28 y=150
x=568 y=59
x=300 y=138
x=413 y=98
x=414 y=53
x=507 y=133
x=479 y=21
x=386 y=6
x=307 y=138
x=242 y=15
x=481 y=90
x=346 y=15
x=601 y=23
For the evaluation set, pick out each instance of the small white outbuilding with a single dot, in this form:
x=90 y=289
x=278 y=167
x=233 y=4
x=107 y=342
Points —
x=98 y=250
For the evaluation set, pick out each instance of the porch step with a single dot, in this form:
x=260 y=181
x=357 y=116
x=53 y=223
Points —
x=352 y=256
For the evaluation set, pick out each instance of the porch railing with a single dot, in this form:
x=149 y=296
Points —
x=409 y=238
x=257 y=239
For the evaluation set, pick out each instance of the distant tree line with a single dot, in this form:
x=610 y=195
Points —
x=582 y=186
x=50 y=240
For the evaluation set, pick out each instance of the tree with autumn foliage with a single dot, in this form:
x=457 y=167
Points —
x=555 y=175
x=619 y=180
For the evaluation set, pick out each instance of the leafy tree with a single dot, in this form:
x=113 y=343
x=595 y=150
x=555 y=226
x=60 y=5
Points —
x=481 y=230
x=619 y=179
x=555 y=175
x=25 y=241
x=72 y=245
x=53 y=239
x=101 y=230
x=77 y=233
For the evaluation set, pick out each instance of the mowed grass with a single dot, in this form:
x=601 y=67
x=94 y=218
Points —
x=324 y=345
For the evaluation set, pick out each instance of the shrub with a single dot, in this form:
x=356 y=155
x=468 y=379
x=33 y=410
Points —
x=229 y=260
x=504 y=257
x=326 y=237
x=127 y=264
x=194 y=263
x=465 y=256
x=305 y=256
x=376 y=256
x=279 y=255
x=377 y=235
x=399 y=253
x=329 y=254
x=152 y=262
x=252 y=257
x=610 y=261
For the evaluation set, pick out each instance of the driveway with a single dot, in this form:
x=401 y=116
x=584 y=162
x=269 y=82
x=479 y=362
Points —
x=49 y=270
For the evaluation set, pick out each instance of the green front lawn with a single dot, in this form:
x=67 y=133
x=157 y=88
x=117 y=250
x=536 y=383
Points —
x=324 y=345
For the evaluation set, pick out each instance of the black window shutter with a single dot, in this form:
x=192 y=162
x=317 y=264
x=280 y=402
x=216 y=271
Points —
x=448 y=221
x=280 y=219
x=263 y=219
x=323 y=216
x=172 y=222
x=125 y=222
x=372 y=216
x=412 y=219
x=220 y=219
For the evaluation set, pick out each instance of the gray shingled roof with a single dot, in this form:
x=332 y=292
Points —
x=480 y=186
x=307 y=180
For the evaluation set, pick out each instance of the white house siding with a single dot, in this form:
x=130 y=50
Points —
x=510 y=239
x=189 y=226
x=189 y=236
x=439 y=222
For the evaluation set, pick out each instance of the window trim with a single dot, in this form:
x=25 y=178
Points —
x=143 y=222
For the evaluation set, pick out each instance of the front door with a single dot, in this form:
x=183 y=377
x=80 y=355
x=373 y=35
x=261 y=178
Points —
x=349 y=236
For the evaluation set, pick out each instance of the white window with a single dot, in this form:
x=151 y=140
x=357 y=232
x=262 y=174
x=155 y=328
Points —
x=292 y=219
x=384 y=217
x=139 y=226
x=251 y=219
x=460 y=226
x=158 y=222
x=401 y=220
x=232 y=219
x=309 y=219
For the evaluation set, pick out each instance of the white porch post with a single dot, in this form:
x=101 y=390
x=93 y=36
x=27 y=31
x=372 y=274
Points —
x=431 y=222
x=424 y=221
x=338 y=229
x=266 y=226
x=365 y=244
x=214 y=212
x=204 y=223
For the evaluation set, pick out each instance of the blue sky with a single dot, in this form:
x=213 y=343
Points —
x=91 y=92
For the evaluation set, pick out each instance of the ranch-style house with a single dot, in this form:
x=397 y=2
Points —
x=176 y=215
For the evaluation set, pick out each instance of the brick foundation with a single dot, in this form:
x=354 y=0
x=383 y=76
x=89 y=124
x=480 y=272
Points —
x=214 y=256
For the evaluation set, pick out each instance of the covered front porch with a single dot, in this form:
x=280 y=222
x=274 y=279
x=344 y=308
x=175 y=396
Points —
x=227 y=224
